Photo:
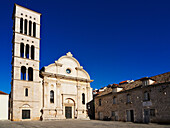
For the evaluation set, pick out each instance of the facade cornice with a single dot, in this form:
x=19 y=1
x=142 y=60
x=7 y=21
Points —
x=26 y=81
x=27 y=9
x=66 y=77
x=58 y=64
x=27 y=35
x=79 y=68
x=25 y=58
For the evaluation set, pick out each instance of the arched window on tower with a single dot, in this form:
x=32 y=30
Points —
x=83 y=98
x=51 y=96
x=34 y=29
x=26 y=92
x=23 y=73
x=22 y=50
x=25 y=27
x=32 y=52
x=30 y=28
x=30 y=74
x=27 y=51
x=21 y=25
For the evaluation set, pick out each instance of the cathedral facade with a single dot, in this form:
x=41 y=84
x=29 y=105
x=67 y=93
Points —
x=58 y=91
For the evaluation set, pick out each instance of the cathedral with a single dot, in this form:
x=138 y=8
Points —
x=60 y=90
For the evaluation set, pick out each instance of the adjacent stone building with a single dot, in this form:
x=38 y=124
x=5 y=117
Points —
x=58 y=91
x=143 y=100
x=4 y=98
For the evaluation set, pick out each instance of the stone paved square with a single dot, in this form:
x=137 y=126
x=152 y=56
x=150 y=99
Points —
x=77 y=124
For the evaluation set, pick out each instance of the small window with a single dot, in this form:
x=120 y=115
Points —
x=100 y=102
x=34 y=29
x=22 y=50
x=21 y=25
x=27 y=51
x=30 y=74
x=23 y=73
x=146 y=96
x=152 y=112
x=26 y=92
x=83 y=98
x=128 y=98
x=51 y=96
x=32 y=52
x=114 y=100
x=113 y=113
x=68 y=71
x=25 y=114
x=30 y=28
x=25 y=27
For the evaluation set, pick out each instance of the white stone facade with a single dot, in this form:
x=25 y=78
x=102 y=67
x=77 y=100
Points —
x=4 y=106
x=68 y=87
x=30 y=93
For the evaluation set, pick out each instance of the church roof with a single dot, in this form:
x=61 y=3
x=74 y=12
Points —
x=3 y=93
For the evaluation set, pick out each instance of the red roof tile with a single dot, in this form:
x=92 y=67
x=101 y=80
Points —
x=3 y=93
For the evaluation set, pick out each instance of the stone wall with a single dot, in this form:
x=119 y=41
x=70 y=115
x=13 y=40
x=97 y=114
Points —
x=159 y=102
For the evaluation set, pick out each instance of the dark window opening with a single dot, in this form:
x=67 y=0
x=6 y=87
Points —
x=25 y=26
x=34 y=29
x=146 y=96
x=32 y=52
x=128 y=98
x=26 y=92
x=30 y=74
x=30 y=28
x=152 y=112
x=25 y=114
x=83 y=98
x=113 y=113
x=21 y=50
x=23 y=73
x=100 y=102
x=21 y=25
x=114 y=100
x=27 y=51
x=51 y=96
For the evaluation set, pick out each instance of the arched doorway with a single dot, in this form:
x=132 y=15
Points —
x=69 y=108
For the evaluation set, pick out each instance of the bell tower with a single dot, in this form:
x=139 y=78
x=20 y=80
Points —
x=26 y=83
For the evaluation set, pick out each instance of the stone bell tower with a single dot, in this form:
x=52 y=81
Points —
x=26 y=83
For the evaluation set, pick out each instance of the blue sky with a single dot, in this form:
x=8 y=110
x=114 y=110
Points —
x=114 y=40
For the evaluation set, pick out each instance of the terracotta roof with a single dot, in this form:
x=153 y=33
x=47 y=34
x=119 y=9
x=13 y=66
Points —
x=107 y=91
x=3 y=93
x=123 y=81
x=161 y=78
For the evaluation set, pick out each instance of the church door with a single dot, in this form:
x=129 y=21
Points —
x=68 y=112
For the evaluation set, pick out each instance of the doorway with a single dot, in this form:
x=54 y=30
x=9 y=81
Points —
x=68 y=112
x=130 y=115
x=146 y=116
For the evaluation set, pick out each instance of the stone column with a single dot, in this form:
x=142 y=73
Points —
x=26 y=74
x=27 y=27
x=46 y=95
x=23 y=26
x=58 y=101
x=29 y=51
x=78 y=99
